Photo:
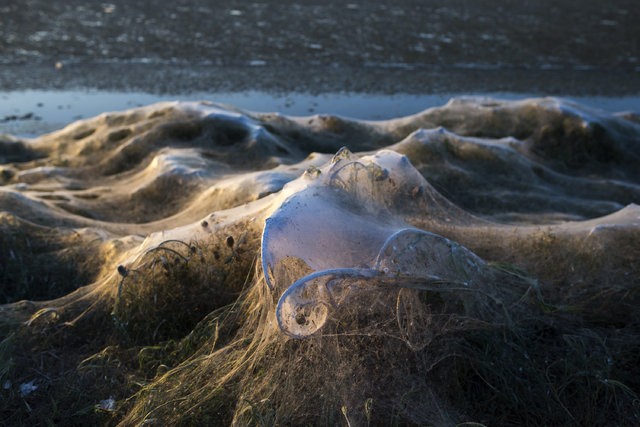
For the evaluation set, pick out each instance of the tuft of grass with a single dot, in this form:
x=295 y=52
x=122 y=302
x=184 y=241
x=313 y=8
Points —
x=176 y=284
x=514 y=351
x=41 y=263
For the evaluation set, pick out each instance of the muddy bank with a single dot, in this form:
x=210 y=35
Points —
x=411 y=46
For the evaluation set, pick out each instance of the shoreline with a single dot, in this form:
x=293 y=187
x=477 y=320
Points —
x=185 y=78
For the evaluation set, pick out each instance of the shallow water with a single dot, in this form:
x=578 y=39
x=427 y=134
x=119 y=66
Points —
x=30 y=113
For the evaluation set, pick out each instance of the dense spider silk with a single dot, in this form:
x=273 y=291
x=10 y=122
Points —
x=344 y=233
x=414 y=329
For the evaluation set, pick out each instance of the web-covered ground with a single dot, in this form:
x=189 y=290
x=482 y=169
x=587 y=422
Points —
x=193 y=264
x=187 y=263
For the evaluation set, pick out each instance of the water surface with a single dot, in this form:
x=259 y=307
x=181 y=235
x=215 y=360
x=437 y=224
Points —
x=33 y=112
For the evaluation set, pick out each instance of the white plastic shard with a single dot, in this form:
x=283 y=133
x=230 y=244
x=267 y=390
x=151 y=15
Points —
x=344 y=232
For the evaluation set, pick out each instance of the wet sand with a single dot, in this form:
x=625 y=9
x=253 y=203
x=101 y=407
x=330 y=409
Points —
x=548 y=47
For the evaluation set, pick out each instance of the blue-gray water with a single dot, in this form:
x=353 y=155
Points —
x=29 y=113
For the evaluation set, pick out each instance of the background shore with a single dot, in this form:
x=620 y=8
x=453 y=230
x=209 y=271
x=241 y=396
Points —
x=546 y=47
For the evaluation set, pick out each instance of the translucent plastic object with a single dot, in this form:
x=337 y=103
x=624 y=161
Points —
x=344 y=233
